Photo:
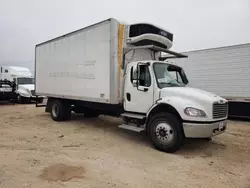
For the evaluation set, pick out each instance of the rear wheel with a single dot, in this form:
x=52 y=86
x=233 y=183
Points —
x=60 y=110
x=165 y=131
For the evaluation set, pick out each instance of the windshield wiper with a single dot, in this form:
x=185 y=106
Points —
x=170 y=83
x=174 y=84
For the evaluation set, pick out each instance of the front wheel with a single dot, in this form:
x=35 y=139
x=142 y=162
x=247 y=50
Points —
x=166 y=132
x=20 y=99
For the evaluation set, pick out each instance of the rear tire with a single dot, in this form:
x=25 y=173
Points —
x=166 y=132
x=60 y=110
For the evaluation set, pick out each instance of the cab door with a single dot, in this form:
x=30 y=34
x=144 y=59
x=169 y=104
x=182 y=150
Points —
x=138 y=90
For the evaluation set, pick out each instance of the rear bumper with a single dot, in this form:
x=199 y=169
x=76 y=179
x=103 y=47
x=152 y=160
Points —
x=198 y=130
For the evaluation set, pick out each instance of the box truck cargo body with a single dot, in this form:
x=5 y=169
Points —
x=115 y=69
x=224 y=71
x=86 y=59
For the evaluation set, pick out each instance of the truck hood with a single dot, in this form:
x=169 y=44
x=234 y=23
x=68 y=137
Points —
x=27 y=86
x=194 y=94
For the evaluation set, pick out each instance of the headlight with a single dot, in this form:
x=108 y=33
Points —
x=194 y=112
x=28 y=91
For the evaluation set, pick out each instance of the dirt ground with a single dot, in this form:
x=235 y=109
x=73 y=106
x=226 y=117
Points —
x=38 y=152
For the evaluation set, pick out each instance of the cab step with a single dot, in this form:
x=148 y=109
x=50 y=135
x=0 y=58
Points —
x=133 y=115
x=131 y=128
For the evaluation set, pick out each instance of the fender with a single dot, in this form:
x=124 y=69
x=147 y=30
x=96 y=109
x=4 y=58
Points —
x=161 y=106
x=22 y=92
x=176 y=105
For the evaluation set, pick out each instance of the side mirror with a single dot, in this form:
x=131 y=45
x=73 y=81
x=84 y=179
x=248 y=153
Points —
x=141 y=88
x=135 y=74
x=135 y=83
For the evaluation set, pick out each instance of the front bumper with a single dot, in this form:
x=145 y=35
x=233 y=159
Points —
x=33 y=98
x=36 y=98
x=204 y=130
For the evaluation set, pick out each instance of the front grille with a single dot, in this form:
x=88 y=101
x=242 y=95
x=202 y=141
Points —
x=220 y=110
x=33 y=93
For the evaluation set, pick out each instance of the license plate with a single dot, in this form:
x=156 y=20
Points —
x=222 y=125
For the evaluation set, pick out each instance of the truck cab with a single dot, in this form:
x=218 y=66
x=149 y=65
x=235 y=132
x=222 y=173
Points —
x=26 y=90
x=151 y=92
x=24 y=82
x=148 y=83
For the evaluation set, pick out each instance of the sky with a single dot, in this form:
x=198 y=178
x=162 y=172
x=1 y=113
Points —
x=196 y=24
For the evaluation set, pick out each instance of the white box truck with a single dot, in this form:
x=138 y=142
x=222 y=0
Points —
x=114 y=69
x=224 y=71
x=23 y=81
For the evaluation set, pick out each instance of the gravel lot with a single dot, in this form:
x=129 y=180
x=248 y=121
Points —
x=38 y=152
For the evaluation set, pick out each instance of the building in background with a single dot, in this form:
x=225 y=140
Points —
x=224 y=71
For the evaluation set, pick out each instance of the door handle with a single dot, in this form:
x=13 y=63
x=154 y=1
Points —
x=128 y=95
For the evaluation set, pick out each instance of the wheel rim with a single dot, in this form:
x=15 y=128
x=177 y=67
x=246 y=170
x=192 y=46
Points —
x=164 y=132
x=55 y=110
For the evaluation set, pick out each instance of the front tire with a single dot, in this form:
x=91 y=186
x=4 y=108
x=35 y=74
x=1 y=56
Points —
x=166 y=133
x=20 y=99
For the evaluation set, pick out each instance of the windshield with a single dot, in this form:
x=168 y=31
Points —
x=23 y=81
x=163 y=76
